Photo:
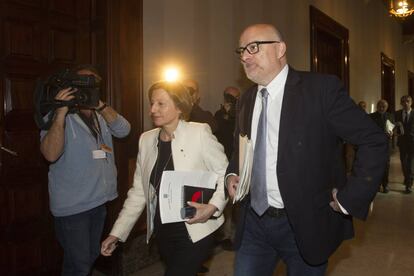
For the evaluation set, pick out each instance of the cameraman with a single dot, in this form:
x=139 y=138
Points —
x=82 y=174
x=226 y=119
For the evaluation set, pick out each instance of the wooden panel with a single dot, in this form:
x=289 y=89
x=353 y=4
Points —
x=329 y=54
x=65 y=7
x=22 y=39
x=62 y=46
x=26 y=256
x=25 y=203
x=19 y=93
x=26 y=144
x=388 y=81
x=30 y=3
x=327 y=34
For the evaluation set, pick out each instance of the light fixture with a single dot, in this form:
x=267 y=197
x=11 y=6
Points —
x=171 y=74
x=401 y=8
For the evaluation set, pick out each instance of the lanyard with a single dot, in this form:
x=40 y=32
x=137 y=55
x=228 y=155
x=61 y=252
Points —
x=92 y=123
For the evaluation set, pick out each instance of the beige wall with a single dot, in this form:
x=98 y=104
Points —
x=200 y=36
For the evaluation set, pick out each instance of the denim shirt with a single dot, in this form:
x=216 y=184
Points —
x=77 y=181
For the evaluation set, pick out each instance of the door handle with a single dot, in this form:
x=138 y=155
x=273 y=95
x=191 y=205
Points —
x=9 y=151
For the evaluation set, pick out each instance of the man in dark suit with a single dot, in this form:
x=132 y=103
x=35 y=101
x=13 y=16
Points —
x=385 y=121
x=300 y=205
x=197 y=113
x=405 y=119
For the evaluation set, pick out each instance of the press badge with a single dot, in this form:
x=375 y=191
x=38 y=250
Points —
x=98 y=154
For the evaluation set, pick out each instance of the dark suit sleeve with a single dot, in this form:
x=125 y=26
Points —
x=351 y=124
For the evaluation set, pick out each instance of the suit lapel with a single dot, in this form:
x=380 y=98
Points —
x=291 y=105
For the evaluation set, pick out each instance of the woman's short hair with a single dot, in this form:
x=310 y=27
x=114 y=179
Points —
x=178 y=93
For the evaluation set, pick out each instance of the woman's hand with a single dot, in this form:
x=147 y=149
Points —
x=203 y=213
x=108 y=245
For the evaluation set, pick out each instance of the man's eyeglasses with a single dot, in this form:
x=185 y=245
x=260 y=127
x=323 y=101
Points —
x=253 y=47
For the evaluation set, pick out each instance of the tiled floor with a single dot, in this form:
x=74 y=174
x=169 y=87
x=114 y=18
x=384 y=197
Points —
x=384 y=244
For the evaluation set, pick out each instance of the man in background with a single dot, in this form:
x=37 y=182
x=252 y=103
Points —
x=404 y=118
x=197 y=113
x=385 y=121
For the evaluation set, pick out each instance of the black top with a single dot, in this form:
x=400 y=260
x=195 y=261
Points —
x=164 y=163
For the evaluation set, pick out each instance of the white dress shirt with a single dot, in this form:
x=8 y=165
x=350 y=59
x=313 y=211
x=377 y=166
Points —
x=275 y=89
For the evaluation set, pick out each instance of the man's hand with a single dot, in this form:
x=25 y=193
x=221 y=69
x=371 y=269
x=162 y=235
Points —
x=65 y=95
x=231 y=185
x=334 y=203
x=203 y=213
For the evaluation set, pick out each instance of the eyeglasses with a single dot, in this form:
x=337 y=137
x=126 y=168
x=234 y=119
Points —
x=253 y=47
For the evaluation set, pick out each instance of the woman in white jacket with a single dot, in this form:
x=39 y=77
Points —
x=174 y=145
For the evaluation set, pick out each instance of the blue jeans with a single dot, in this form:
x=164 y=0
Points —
x=266 y=240
x=80 y=237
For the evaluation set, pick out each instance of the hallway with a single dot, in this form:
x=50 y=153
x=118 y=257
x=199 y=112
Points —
x=384 y=244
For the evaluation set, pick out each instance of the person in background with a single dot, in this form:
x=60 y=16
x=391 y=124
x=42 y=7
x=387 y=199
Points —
x=82 y=174
x=174 y=144
x=404 y=119
x=385 y=121
x=226 y=119
x=197 y=113
x=300 y=205
x=363 y=106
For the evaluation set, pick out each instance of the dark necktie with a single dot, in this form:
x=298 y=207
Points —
x=258 y=189
x=406 y=117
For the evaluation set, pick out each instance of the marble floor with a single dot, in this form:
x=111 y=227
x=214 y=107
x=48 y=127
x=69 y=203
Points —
x=384 y=244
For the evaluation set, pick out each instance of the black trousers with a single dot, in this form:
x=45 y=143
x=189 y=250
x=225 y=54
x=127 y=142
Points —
x=407 y=164
x=181 y=256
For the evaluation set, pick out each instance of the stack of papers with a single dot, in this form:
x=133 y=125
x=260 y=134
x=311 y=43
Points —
x=245 y=168
x=389 y=127
x=172 y=187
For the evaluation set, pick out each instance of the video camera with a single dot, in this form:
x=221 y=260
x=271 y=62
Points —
x=87 y=94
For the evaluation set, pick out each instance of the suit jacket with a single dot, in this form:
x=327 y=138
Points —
x=406 y=139
x=193 y=148
x=317 y=114
x=380 y=119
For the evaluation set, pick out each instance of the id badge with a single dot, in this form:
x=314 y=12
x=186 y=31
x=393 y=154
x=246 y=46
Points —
x=98 y=154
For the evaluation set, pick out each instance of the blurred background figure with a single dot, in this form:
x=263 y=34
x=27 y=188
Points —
x=197 y=113
x=363 y=105
x=226 y=120
x=405 y=142
x=385 y=121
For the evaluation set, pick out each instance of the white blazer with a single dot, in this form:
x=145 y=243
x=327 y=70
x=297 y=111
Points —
x=193 y=147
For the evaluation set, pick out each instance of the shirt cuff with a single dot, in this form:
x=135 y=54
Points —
x=342 y=208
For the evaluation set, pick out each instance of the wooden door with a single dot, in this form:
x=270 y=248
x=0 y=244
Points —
x=411 y=84
x=388 y=81
x=37 y=38
x=329 y=46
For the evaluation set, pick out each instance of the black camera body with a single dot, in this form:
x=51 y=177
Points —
x=87 y=94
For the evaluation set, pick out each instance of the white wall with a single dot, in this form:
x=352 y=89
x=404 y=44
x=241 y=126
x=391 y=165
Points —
x=200 y=36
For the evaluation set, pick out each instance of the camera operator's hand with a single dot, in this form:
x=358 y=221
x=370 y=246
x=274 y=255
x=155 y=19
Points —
x=65 y=95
